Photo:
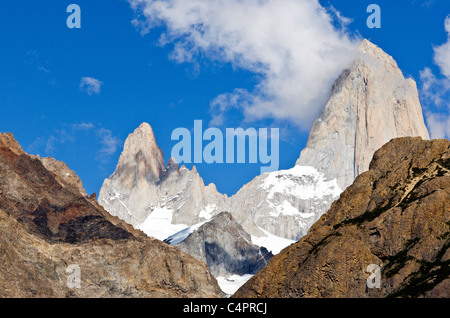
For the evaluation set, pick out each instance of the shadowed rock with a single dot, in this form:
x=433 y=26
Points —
x=225 y=247
x=47 y=223
x=396 y=216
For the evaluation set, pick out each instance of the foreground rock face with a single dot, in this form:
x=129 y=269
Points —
x=47 y=224
x=225 y=247
x=396 y=216
x=370 y=104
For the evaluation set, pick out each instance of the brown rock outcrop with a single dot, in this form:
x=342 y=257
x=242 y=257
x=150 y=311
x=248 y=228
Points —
x=396 y=216
x=47 y=223
x=62 y=173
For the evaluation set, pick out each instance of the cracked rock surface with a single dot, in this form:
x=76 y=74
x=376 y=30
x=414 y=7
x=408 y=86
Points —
x=395 y=216
x=47 y=223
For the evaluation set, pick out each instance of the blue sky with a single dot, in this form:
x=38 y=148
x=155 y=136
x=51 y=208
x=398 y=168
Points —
x=131 y=77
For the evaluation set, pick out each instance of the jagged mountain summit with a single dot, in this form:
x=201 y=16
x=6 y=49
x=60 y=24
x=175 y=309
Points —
x=225 y=247
x=49 y=227
x=156 y=199
x=395 y=216
x=371 y=103
x=174 y=201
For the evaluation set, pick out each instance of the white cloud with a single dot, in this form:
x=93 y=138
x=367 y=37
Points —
x=442 y=53
x=83 y=126
x=293 y=45
x=91 y=85
x=438 y=125
x=108 y=141
x=436 y=91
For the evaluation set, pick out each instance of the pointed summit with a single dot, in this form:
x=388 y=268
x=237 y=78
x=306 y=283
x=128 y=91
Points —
x=366 y=45
x=141 y=160
x=158 y=199
x=370 y=104
x=147 y=130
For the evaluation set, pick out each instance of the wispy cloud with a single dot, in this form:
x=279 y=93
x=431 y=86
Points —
x=435 y=91
x=438 y=125
x=33 y=59
x=442 y=52
x=43 y=144
x=109 y=143
x=43 y=69
x=83 y=126
x=293 y=46
x=104 y=140
x=91 y=85
x=424 y=3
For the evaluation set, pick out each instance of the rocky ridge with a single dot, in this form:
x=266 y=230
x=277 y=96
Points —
x=47 y=224
x=396 y=216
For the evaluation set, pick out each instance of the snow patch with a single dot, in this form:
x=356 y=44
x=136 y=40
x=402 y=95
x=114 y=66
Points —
x=284 y=209
x=231 y=284
x=272 y=242
x=180 y=236
x=205 y=213
x=301 y=181
x=159 y=224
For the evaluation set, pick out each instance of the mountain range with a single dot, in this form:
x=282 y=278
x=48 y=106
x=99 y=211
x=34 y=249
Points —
x=369 y=190
x=370 y=104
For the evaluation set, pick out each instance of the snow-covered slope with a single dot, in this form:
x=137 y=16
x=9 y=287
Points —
x=283 y=203
x=159 y=224
x=180 y=236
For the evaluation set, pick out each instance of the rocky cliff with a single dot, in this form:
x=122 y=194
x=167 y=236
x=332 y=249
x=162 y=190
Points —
x=370 y=104
x=47 y=223
x=159 y=200
x=395 y=216
x=224 y=246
